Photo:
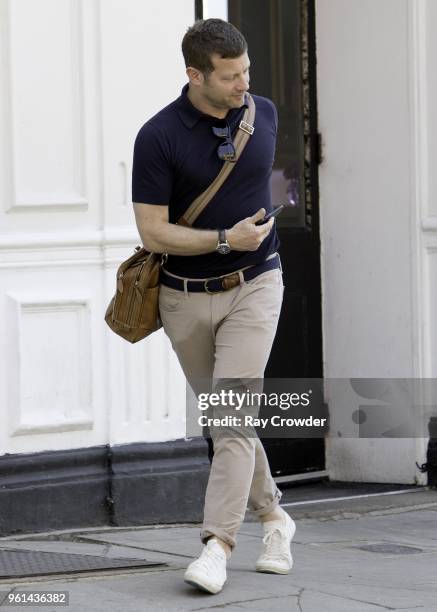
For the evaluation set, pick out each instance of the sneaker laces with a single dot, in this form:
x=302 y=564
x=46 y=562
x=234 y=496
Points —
x=209 y=556
x=276 y=543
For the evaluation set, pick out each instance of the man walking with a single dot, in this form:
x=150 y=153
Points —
x=220 y=329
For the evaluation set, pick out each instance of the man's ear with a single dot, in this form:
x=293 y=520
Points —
x=194 y=75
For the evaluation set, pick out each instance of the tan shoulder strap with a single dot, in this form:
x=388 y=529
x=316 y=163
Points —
x=245 y=130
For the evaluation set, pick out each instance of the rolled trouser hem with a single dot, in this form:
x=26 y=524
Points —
x=260 y=512
x=220 y=533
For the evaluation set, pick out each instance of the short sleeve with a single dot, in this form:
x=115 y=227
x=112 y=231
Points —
x=272 y=116
x=275 y=115
x=152 y=173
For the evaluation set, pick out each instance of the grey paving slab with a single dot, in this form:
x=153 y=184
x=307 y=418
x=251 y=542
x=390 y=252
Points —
x=326 y=490
x=414 y=527
x=154 y=591
x=182 y=542
x=345 y=571
x=280 y=603
x=243 y=558
x=310 y=601
x=331 y=572
x=334 y=508
x=386 y=599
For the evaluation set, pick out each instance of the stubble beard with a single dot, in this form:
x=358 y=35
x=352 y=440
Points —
x=223 y=104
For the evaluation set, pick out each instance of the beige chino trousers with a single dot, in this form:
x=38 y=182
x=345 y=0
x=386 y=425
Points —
x=228 y=335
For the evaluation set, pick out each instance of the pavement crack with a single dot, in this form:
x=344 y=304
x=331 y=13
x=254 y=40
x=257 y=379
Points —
x=106 y=549
x=12 y=590
x=372 y=603
x=244 y=601
x=299 y=596
x=86 y=540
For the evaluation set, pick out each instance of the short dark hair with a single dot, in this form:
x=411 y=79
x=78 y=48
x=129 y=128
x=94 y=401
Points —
x=208 y=36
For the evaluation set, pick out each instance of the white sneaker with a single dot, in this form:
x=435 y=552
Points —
x=276 y=557
x=208 y=572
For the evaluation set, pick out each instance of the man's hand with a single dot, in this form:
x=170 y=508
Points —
x=246 y=236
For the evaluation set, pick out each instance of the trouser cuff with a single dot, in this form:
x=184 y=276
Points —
x=220 y=533
x=260 y=512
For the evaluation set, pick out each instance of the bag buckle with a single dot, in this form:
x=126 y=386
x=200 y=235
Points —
x=246 y=127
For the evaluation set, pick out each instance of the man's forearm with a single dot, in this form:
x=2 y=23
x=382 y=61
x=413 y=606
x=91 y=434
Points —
x=178 y=240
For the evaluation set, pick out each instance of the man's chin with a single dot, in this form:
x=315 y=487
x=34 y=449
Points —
x=237 y=101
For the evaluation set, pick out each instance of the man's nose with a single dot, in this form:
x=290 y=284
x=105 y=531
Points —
x=244 y=84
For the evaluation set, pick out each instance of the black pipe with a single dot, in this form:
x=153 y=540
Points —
x=198 y=9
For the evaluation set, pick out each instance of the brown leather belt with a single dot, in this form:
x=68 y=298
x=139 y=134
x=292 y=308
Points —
x=220 y=283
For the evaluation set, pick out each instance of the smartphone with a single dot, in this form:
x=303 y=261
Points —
x=275 y=212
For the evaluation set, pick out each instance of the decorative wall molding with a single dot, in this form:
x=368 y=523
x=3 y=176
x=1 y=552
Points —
x=49 y=363
x=431 y=246
x=27 y=115
x=82 y=237
x=429 y=224
x=61 y=203
x=423 y=221
x=147 y=385
x=416 y=36
x=6 y=164
x=419 y=210
x=107 y=247
x=67 y=222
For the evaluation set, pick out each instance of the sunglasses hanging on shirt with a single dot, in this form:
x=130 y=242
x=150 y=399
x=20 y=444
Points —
x=226 y=150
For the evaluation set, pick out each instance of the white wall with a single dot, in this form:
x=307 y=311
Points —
x=376 y=195
x=215 y=8
x=73 y=98
x=78 y=79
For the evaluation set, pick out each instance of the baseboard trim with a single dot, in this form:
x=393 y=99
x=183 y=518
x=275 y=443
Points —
x=121 y=485
x=159 y=482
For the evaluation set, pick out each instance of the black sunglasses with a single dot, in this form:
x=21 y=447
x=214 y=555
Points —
x=226 y=150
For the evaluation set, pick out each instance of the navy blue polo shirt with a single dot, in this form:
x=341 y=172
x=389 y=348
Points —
x=175 y=160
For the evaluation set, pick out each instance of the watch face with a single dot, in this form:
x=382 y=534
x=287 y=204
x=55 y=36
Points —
x=223 y=249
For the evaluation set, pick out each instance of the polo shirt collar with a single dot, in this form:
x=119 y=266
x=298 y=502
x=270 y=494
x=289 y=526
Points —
x=189 y=114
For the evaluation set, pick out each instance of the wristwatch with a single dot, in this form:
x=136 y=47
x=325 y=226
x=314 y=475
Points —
x=222 y=245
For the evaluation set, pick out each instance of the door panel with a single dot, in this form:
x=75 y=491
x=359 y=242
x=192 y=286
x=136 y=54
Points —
x=281 y=41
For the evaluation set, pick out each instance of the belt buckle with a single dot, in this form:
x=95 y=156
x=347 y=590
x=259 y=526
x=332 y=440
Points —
x=205 y=285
